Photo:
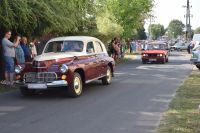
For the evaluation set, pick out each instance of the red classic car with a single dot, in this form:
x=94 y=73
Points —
x=66 y=62
x=155 y=52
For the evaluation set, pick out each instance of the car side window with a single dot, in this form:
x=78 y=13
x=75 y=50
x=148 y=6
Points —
x=90 y=47
x=99 y=47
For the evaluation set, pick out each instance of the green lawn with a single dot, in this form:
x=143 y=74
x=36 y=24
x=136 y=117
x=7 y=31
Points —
x=182 y=115
x=4 y=88
x=122 y=60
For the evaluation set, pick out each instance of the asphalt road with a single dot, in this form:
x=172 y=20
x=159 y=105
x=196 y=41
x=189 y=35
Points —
x=133 y=103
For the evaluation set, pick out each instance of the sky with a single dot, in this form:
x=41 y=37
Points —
x=167 y=10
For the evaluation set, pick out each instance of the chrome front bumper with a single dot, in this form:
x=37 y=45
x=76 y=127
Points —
x=39 y=86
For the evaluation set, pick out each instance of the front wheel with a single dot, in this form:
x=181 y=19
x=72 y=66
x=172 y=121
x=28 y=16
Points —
x=108 y=78
x=76 y=88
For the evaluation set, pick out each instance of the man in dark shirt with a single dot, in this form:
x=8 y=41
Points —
x=27 y=53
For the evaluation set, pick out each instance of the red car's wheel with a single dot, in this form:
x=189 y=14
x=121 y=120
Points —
x=108 y=78
x=76 y=88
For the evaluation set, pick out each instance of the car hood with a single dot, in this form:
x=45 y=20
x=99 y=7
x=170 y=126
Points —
x=57 y=56
x=154 y=52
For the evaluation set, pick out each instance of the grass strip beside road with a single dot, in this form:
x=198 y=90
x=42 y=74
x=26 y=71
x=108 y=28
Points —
x=183 y=115
x=122 y=60
x=4 y=88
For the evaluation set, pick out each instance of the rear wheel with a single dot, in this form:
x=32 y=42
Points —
x=108 y=78
x=26 y=92
x=76 y=88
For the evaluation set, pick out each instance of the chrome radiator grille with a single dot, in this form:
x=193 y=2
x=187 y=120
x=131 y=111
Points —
x=41 y=77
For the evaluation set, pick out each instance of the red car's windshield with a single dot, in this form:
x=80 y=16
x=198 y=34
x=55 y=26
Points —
x=155 y=47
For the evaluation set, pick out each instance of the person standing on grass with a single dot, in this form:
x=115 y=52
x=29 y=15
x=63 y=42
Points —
x=116 y=48
x=2 y=69
x=19 y=53
x=25 y=47
x=33 y=48
x=9 y=55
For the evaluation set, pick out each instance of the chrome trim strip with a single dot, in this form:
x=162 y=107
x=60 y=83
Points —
x=88 y=81
x=39 y=67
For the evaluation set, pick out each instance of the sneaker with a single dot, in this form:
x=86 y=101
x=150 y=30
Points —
x=3 y=82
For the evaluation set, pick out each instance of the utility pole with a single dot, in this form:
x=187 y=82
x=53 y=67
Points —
x=188 y=31
x=151 y=17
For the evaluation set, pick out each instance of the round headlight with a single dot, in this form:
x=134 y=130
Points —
x=18 y=69
x=63 y=68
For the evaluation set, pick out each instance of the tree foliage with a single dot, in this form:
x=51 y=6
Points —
x=197 y=30
x=156 y=31
x=108 y=17
x=176 y=28
x=130 y=14
x=43 y=16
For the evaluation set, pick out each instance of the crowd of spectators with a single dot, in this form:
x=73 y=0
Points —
x=14 y=52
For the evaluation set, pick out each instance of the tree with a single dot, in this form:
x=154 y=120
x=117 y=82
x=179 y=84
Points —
x=175 y=28
x=156 y=31
x=197 y=30
x=38 y=17
x=141 y=34
x=71 y=17
x=130 y=14
x=107 y=25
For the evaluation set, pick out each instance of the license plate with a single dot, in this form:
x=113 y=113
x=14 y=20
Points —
x=152 y=60
x=37 y=86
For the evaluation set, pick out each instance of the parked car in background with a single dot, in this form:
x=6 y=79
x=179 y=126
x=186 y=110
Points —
x=195 y=59
x=179 y=46
x=67 y=63
x=155 y=52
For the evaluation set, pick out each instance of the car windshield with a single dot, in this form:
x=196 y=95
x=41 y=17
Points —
x=64 y=46
x=155 y=47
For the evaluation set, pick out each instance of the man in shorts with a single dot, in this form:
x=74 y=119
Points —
x=9 y=55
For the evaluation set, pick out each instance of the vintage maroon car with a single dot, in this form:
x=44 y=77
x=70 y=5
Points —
x=155 y=52
x=66 y=62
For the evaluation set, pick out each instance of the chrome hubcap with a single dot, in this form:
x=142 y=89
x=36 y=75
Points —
x=108 y=75
x=77 y=85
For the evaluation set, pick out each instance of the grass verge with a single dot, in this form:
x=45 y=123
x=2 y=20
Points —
x=122 y=60
x=182 y=115
x=4 y=88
